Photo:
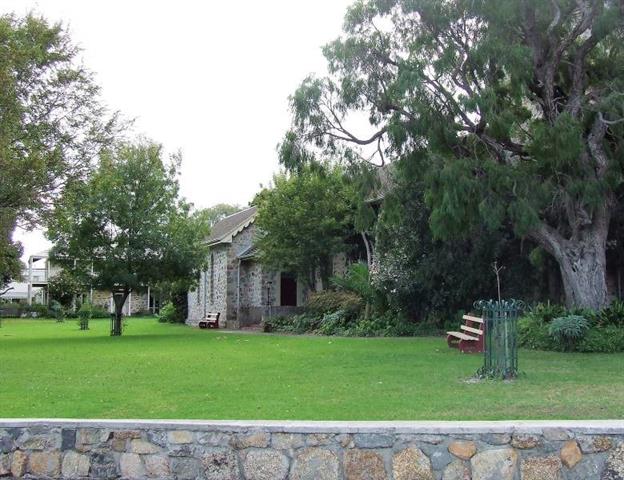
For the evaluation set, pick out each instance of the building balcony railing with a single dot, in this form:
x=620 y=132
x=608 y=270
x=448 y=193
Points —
x=39 y=275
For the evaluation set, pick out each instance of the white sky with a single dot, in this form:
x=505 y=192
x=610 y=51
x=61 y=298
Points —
x=210 y=78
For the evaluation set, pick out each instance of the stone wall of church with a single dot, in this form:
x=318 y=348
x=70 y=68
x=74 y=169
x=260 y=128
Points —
x=137 y=302
x=210 y=296
x=241 y=288
x=240 y=243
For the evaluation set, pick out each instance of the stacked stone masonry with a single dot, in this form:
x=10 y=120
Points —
x=311 y=451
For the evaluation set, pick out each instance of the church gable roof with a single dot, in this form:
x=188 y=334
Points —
x=224 y=230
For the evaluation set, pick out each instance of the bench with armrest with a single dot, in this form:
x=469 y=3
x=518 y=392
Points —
x=211 y=320
x=470 y=339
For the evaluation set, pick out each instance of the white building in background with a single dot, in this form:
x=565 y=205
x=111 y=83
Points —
x=17 y=292
x=40 y=270
x=37 y=275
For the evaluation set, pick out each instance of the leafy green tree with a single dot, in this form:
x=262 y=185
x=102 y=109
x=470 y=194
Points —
x=65 y=286
x=130 y=222
x=515 y=106
x=10 y=251
x=52 y=123
x=430 y=279
x=305 y=219
x=212 y=215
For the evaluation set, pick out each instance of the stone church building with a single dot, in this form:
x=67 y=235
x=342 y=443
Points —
x=235 y=284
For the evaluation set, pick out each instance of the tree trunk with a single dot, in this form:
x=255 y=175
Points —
x=582 y=262
x=120 y=300
x=369 y=265
x=583 y=271
x=369 y=251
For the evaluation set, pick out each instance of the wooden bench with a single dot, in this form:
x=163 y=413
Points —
x=211 y=320
x=470 y=339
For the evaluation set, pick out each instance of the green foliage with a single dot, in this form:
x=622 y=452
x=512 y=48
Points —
x=10 y=251
x=424 y=278
x=607 y=339
x=552 y=327
x=305 y=219
x=277 y=324
x=85 y=312
x=329 y=301
x=51 y=126
x=168 y=314
x=216 y=213
x=129 y=221
x=341 y=322
x=65 y=286
x=547 y=312
x=57 y=311
x=335 y=323
x=99 y=312
x=568 y=330
x=534 y=334
x=613 y=315
x=357 y=280
x=36 y=310
x=506 y=135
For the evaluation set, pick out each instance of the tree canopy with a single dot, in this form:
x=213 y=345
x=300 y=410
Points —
x=304 y=221
x=129 y=222
x=515 y=106
x=429 y=279
x=212 y=215
x=52 y=123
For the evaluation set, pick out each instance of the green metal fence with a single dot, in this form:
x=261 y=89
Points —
x=501 y=333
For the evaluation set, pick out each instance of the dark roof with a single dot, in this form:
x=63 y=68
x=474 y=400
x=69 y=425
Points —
x=231 y=224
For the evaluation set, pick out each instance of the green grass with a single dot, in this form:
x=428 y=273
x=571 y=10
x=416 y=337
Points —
x=50 y=369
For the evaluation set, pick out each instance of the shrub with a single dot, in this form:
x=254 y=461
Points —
x=85 y=311
x=611 y=315
x=57 y=311
x=357 y=280
x=168 y=313
x=36 y=310
x=335 y=323
x=85 y=315
x=305 y=323
x=277 y=324
x=329 y=301
x=533 y=333
x=547 y=312
x=99 y=312
x=609 y=339
x=568 y=330
x=10 y=309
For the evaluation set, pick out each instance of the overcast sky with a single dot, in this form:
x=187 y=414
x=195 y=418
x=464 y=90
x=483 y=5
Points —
x=209 y=78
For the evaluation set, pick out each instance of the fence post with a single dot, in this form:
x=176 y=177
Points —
x=500 y=355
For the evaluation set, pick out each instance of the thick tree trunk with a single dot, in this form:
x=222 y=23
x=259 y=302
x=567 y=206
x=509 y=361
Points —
x=583 y=270
x=582 y=262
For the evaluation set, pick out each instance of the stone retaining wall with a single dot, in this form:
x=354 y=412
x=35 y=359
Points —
x=312 y=450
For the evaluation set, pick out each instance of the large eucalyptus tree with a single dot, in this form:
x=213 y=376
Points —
x=515 y=106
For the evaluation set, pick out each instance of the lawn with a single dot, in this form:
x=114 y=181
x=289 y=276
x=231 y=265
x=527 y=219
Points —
x=50 y=369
